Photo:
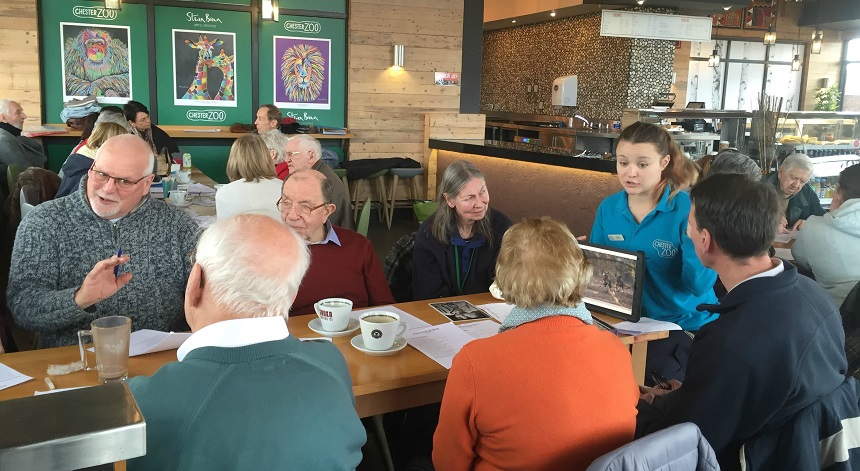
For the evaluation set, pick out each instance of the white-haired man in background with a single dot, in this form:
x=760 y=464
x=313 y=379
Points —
x=791 y=179
x=15 y=148
x=246 y=394
x=305 y=152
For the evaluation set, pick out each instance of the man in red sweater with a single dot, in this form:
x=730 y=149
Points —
x=343 y=264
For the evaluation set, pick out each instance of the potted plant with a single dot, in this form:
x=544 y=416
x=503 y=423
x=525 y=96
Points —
x=827 y=99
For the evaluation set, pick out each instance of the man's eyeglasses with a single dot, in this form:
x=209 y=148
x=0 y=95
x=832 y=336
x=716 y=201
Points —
x=302 y=209
x=295 y=152
x=121 y=183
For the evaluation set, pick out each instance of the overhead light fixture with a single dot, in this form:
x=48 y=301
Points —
x=552 y=14
x=795 y=64
x=270 y=10
x=727 y=7
x=770 y=36
x=113 y=4
x=398 y=55
x=640 y=2
x=714 y=59
x=817 y=37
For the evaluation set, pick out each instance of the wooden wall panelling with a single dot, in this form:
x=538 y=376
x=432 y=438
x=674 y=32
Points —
x=386 y=106
x=447 y=126
x=19 y=41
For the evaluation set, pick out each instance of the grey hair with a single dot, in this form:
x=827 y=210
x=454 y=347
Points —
x=732 y=161
x=326 y=186
x=146 y=171
x=309 y=143
x=797 y=160
x=114 y=117
x=277 y=141
x=6 y=106
x=231 y=258
x=444 y=219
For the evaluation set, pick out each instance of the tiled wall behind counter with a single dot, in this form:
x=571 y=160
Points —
x=613 y=73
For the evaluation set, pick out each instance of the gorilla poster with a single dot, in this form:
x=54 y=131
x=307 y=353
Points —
x=96 y=62
x=204 y=68
x=302 y=78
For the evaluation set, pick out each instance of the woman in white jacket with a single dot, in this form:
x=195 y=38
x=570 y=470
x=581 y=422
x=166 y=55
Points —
x=254 y=187
x=829 y=245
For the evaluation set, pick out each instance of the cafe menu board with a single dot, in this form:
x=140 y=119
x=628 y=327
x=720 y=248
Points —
x=632 y=24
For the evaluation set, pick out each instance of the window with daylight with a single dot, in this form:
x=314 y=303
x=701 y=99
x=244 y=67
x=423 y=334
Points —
x=746 y=69
x=851 y=76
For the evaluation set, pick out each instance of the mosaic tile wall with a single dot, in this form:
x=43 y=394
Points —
x=613 y=73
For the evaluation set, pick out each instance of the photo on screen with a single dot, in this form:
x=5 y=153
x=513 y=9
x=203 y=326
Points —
x=616 y=286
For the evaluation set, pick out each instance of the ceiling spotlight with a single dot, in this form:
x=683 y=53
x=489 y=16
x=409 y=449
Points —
x=513 y=21
x=552 y=14
x=640 y=2
x=727 y=7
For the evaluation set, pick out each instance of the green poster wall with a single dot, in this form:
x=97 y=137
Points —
x=126 y=29
x=183 y=97
x=319 y=32
x=338 y=6
x=225 y=2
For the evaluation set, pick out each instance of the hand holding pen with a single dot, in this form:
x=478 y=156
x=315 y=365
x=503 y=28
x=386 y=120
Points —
x=661 y=388
x=103 y=281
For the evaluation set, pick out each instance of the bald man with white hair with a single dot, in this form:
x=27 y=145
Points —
x=15 y=148
x=246 y=394
x=107 y=249
x=791 y=181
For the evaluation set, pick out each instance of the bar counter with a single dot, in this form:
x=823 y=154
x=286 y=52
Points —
x=525 y=180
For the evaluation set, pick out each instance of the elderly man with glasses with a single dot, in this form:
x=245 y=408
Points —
x=105 y=250
x=304 y=152
x=343 y=264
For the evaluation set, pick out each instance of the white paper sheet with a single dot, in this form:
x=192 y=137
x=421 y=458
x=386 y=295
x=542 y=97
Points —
x=10 y=377
x=439 y=342
x=53 y=391
x=785 y=238
x=499 y=311
x=151 y=341
x=200 y=189
x=480 y=329
x=784 y=254
x=644 y=325
x=410 y=320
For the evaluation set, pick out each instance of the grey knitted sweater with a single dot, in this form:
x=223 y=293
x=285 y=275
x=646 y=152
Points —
x=61 y=240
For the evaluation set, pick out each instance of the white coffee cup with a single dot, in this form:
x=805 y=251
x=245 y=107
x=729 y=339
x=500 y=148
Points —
x=184 y=176
x=379 y=329
x=333 y=313
x=178 y=196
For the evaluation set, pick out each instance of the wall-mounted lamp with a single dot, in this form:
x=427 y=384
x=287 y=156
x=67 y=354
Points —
x=398 y=55
x=552 y=14
x=113 y=4
x=270 y=10
x=817 y=37
x=795 y=64
x=770 y=36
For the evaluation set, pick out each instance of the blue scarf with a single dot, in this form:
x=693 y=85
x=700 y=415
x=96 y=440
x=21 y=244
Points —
x=521 y=315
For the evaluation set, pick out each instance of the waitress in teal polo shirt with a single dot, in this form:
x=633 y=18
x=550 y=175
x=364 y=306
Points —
x=650 y=214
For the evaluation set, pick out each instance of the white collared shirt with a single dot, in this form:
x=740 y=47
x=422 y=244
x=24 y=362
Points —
x=779 y=268
x=236 y=333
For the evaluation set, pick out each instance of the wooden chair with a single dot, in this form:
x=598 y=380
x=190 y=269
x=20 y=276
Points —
x=410 y=174
x=364 y=219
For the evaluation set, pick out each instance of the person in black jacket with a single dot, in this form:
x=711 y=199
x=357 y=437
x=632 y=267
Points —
x=778 y=345
x=138 y=117
x=456 y=247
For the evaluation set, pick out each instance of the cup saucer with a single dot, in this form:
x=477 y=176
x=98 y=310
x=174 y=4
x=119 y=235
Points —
x=358 y=343
x=316 y=325
x=182 y=205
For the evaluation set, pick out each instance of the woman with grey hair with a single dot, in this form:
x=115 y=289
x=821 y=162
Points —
x=791 y=179
x=276 y=141
x=456 y=247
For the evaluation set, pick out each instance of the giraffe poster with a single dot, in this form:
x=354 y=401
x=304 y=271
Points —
x=96 y=62
x=203 y=68
x=302 y=75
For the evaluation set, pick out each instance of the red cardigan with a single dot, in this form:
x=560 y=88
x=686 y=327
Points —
x=283 y=170
x=349 y=271
x=550 y=394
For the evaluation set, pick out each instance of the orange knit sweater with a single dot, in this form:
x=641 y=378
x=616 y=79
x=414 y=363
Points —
x=551 y=394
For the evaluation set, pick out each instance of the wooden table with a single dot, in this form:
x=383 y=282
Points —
x=380 y=384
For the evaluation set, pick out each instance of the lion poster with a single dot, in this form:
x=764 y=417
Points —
x=204 y=68
x=96 y=62
x=302 y=76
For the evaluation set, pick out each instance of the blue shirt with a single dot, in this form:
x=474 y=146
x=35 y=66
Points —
x=675 y=280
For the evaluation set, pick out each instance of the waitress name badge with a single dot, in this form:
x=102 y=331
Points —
x=615 y=237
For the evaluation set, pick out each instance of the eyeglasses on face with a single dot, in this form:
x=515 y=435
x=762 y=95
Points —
x=122 y=183
x=295 y=152
x=302 y=209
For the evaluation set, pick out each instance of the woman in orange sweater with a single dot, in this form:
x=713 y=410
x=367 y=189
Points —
x=550 y=391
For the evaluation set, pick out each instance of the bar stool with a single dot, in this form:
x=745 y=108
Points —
x=378 y=181
x=341 y=173
x=414 y=190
